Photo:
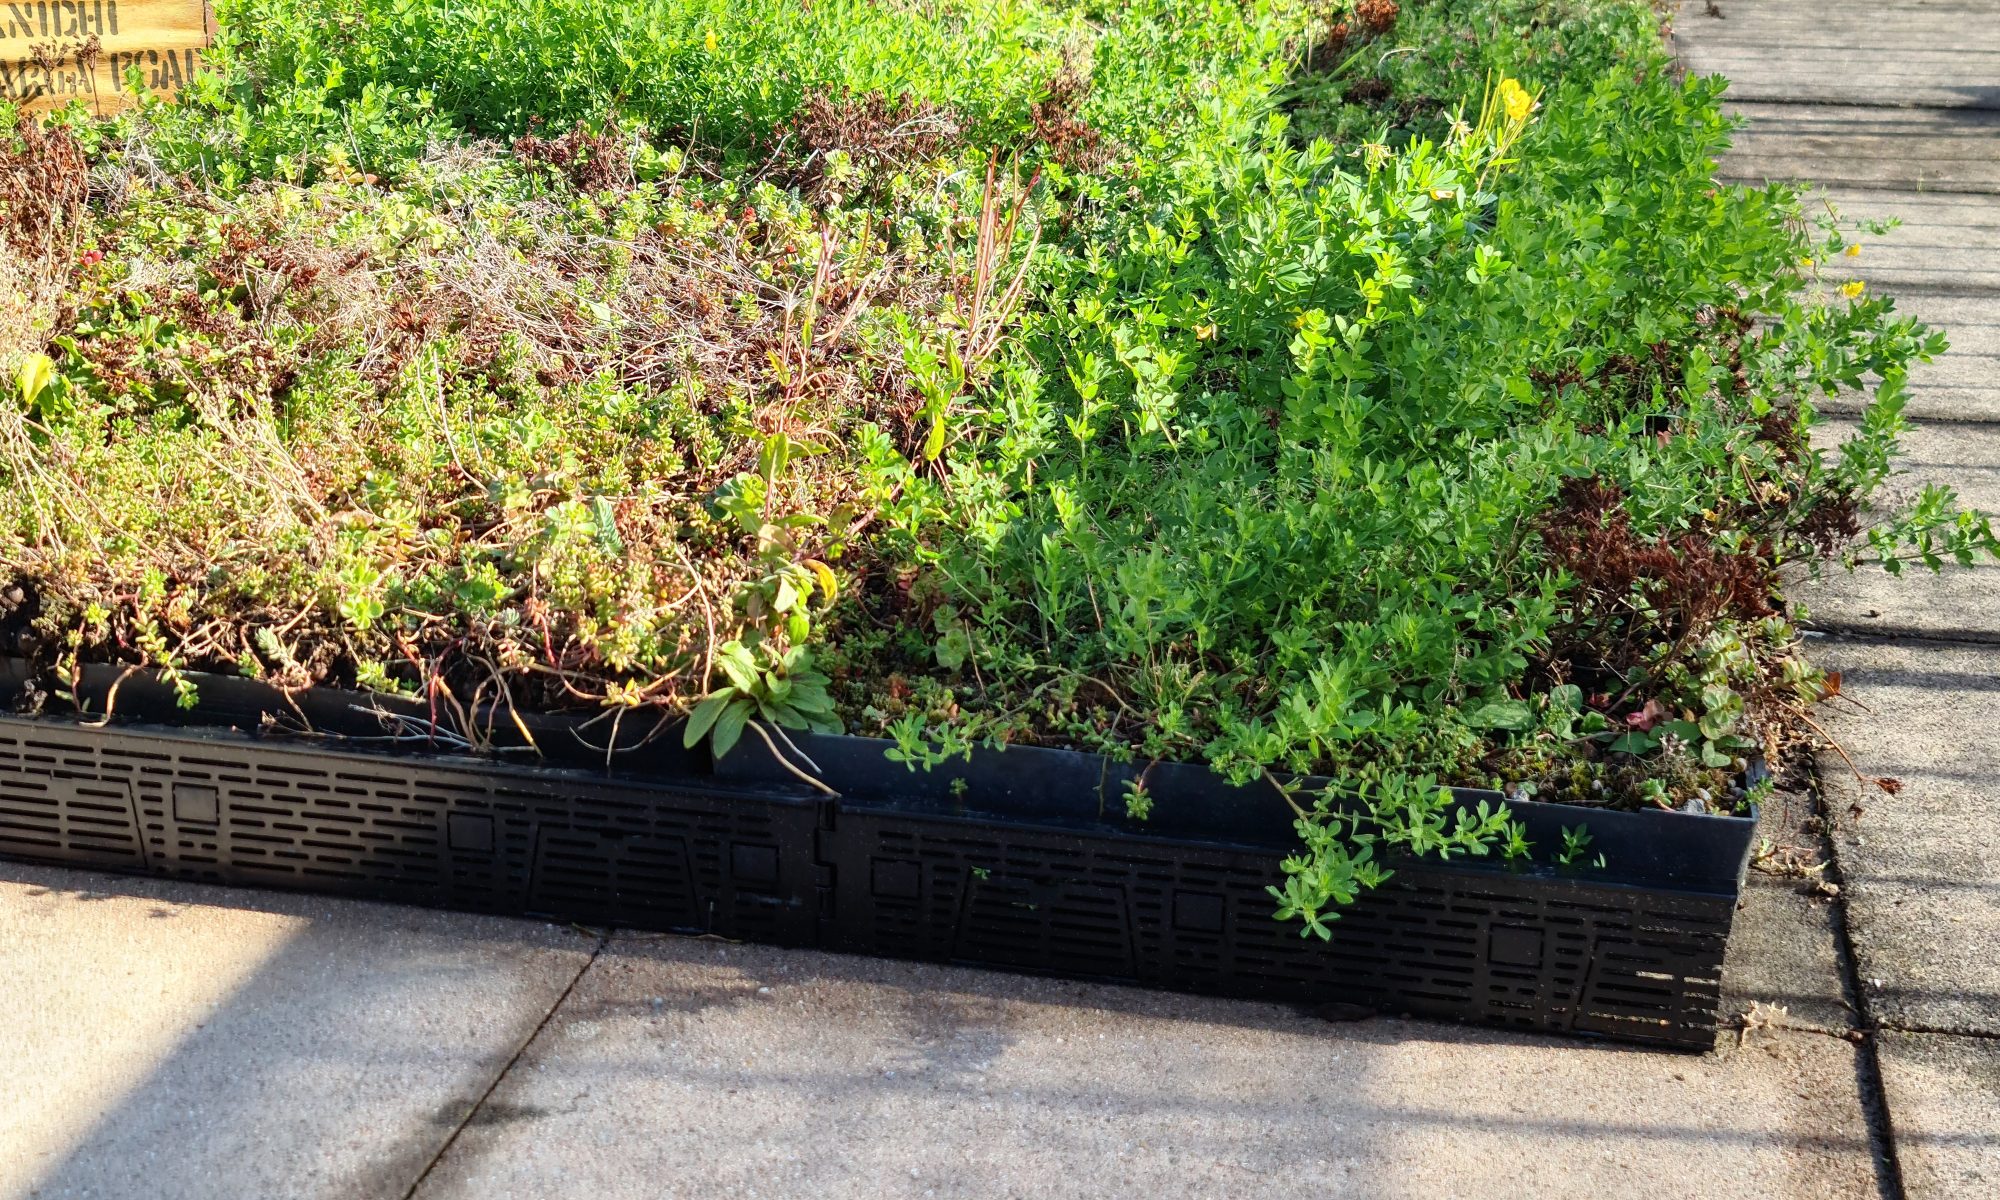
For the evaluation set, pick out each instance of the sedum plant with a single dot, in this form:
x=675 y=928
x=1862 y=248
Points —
x=1385 y=394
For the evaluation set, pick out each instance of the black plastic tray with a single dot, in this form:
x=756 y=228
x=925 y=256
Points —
x=1022 y=859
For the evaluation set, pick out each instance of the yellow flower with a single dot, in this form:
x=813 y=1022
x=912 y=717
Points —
x=1515 y=100
x=1204 y=332
x=712 y=42
x=1853 y=249
x=1852 y=288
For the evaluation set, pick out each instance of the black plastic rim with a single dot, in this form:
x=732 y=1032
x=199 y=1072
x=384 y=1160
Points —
x=1022 y=859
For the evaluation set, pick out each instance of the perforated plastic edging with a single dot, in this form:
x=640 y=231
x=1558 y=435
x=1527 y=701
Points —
x=1059 y=884
x=228 y=809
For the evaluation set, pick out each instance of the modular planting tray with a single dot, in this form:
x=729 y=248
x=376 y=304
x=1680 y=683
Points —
x=1022 y=859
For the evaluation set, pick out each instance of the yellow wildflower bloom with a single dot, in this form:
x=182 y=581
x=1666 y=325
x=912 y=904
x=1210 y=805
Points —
x=1852 y=288
x=1853 y=249
x=1515 y=100
x=712 y=42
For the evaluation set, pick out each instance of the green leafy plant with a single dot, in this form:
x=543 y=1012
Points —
x=1382 y=395
x=1576 y=843
x=780 y=688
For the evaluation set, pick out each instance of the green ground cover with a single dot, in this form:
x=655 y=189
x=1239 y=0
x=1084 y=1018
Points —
x=1332 y=388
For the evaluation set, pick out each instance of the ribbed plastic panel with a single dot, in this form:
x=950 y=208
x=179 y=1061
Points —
x=1529 y=951
x=490 y=838
x=762 y=861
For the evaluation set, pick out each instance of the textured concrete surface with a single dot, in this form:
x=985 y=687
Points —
x=1841 y=146
x=165 y=1040
x=1915 y=604
x=1893 y=110
x=714 y=1071
x=1944 y=1091
x=1961 y=603
x=1939 y=53
x=192 y=1041
x=1944 y=245
x=1962 y=455
x=1784 y=948
x=1922 y=866
x=1785 y=952
x=1964 y=384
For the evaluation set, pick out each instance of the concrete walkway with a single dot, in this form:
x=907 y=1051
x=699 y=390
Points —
x=163 y=1041
x=1893 y=109
x=166 y=1041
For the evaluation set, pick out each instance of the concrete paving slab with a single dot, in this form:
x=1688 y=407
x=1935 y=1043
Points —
x=1946 y=244
x=1954 y=606
x=1784 y=951
x=1924 y=52
x=1945 y=1094
x=1962 y=455
x=1961 y=603
x=1784 y=954
x=1829 y=86
x=1851 y=147
x=1920 y=867
x=692 y=1069
x=1964 y=384
x=167 y=1040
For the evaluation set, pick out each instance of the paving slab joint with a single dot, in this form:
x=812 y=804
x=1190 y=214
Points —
x=1844 y=408
x=1872 y=634
x=1747 y=1031
x=1937 y=1031
x=1867 y=1056
x=603 y=937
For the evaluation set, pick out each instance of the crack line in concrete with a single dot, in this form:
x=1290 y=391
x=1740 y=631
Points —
x=603 y=940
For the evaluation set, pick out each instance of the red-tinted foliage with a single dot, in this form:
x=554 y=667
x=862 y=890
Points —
x=1059 y=126
x=1687 y=577
x=1377 y=16
x=593 y=162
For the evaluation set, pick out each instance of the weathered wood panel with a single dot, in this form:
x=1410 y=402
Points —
x=54 y=51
